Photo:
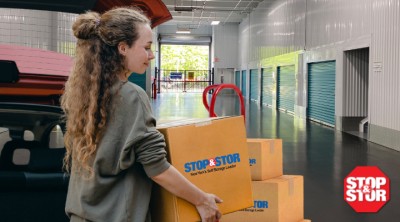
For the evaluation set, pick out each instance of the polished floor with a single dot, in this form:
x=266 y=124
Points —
x=321 y=154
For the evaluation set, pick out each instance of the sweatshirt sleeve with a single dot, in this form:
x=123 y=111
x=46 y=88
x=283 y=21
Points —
x=144 y=143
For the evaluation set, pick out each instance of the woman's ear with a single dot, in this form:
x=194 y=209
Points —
x=122 y=48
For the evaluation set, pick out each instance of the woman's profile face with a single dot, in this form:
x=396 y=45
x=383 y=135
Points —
x=138 y=56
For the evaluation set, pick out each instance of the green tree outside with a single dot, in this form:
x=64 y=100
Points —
x=184 y=57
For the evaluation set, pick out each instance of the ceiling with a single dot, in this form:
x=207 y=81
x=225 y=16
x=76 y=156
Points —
x=155 y=9
x=194 y=13
x=189 y=14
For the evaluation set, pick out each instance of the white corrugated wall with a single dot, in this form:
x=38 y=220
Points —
x=334 y=21
x=224 y=37
x=326 y=29
x=385 y=77
x=243 y=44
x=274 y=28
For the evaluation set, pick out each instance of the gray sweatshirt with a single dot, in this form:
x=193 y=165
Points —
x=130 y=152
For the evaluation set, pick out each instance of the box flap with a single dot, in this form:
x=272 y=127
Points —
x=189 y=121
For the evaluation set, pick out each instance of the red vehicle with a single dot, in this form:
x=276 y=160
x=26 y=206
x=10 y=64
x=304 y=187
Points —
x=32 y=75
x=33 y=186
x=37 y=76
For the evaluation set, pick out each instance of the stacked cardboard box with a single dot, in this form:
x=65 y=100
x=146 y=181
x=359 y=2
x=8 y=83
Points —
x=277 y=197
x=212 y=153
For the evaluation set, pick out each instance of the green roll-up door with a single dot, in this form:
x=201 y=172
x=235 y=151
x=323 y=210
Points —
x=286 y=88
x=254 y=84
x=267 y=86
x=244 y=83
x=321 y=92
x=237 y=79
x=138 y=79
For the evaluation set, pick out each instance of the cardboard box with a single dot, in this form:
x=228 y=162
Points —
x=211 y=153
x=305 y=220
x=265 y=158
x=279 y=199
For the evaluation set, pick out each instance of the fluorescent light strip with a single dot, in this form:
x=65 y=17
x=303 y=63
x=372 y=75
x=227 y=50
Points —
x=183 y=32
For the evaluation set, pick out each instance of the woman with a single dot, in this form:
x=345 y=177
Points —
x=114 y=151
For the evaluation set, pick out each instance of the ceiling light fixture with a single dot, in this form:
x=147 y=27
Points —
x=215 y=22
x=183 y=31
x=183 y=8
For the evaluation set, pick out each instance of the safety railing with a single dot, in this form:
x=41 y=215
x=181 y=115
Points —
x=183 y=80
x=217 y=88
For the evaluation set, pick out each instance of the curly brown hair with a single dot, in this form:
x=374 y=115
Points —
x=89 y=93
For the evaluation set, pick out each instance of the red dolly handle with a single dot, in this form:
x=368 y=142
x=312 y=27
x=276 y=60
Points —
x=214 y=97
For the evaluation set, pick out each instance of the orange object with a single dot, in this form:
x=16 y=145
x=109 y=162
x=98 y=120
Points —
x=211 y=153
x=265 y=157
x=156 y=10
x=217 y=89
x=41 y=74
x=280 y=199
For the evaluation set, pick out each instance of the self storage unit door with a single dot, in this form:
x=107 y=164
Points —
x=254 y=84
x=244 y=83
x=237 y=79
x=267 y=86
x=286 y=88
x=321 y=92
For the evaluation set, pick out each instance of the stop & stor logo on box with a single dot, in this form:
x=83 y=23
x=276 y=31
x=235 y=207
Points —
x=217 y=163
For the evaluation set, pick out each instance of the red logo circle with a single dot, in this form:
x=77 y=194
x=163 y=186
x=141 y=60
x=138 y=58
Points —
x=366 y=189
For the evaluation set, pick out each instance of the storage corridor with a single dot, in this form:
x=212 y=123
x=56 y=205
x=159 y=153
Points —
x=321 y=154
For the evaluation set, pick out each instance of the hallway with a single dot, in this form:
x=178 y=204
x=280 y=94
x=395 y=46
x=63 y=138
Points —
x=322 y=155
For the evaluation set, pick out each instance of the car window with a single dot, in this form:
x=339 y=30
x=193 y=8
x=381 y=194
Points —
x=56 y=137
x=4 y=137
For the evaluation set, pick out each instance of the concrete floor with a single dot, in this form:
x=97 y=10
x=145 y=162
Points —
x=321 y=154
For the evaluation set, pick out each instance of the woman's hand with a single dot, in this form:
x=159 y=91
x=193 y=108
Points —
x=208 y=208
x=177 y=184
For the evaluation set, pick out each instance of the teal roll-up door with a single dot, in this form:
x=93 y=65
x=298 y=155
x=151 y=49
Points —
x=138 y=79
x=286 y=88
x=237 y=79
x=254 y=84
x=267 y=86
x=321 y=92
x=244 y=83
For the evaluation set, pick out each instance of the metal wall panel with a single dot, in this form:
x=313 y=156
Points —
x=355 y=83
x=254 y=84
x=332 y=21
x=38 y=29
x=225 y=50
x=275 y=28
x=243 y=44
x=385 y=74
